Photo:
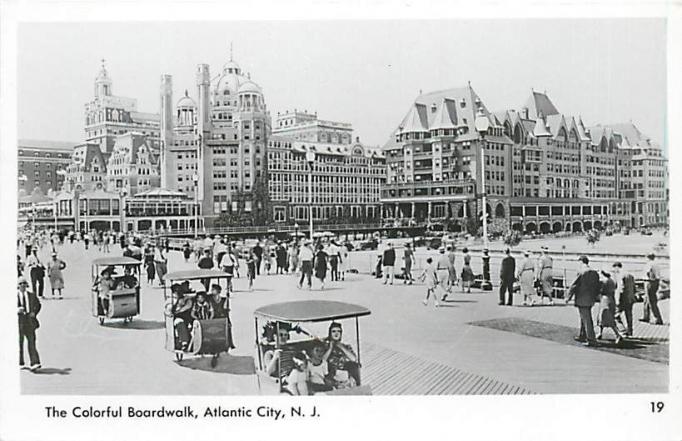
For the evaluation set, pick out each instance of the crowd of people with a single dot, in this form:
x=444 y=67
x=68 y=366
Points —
x=322 y=260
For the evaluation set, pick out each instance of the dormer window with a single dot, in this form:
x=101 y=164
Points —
x=462 y=103
x=433 y=107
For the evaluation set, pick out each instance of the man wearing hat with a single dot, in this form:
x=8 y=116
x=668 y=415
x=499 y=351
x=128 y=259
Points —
x=36 y=271
x=625 y=295
x=546 y=276
x=585 y=289
x=28 y=308
x=653 y=276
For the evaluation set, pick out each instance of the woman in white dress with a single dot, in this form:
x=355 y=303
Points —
x=344 y=257
x=526 y=277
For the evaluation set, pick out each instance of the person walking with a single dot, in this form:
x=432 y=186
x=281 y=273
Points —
x=281 y=253
x=526 y=277
x=442 y=271
x=54 y=274
x=258 y=253
x=607 y=307
x=507 y=275
x=293 y=258
x=585 y=289
x=388 y=262
x=344 y=260
x=37 y=272
x=430 y=276
x=546 y=276
x=305 y=255
x=652 y=276
x=86 y=240
x=321 y=261
x=408 y=258
x=28 y=308
x=149 y=263
x=160 y=263
x=467 y=272
x=625 y=295
x=452 y=272
x=251 y=269
x=333 y=252
x=206 y=262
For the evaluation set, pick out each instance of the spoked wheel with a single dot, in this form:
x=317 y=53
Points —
x=101 y=320
x=179 y=356
x=214 y=360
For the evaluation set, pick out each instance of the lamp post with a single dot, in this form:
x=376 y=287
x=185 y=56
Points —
x=122 y=208
x=310 y=158
x=195 y=179
x=482 y=124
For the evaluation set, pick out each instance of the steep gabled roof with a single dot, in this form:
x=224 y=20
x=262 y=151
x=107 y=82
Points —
x=540 y=128
x=88 y=153
x=555 y=123
x=445 y=116
x=415 y=120
x=130 y=143
x=631 y=133
x=539 y=103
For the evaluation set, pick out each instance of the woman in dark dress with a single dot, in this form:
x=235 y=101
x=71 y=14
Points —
x=607 y=306
x=321 y=259
x=467 y=272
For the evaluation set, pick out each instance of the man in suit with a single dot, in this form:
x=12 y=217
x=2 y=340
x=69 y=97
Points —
x=625 y=295
x=586 y=289
x=507 y=274
x=652 y=275
x=28 y=309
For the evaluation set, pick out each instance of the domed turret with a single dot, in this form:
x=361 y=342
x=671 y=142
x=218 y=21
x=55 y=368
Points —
x=250 y=87
x=231 y=67
x=186 y=111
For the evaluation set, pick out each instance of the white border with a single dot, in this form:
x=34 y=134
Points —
x=624 y=417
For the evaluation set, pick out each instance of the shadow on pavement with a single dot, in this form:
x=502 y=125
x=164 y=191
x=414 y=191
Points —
x=52 y=371
x=135 y=324
x=644 y=349
x=227 y=364
x=460 y=301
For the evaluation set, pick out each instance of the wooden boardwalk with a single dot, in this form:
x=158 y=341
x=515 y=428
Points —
x=390 y=372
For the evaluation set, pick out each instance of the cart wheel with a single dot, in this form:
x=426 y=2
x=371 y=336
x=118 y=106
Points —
x=101 y=320
x=178 y=356
x=214 y=360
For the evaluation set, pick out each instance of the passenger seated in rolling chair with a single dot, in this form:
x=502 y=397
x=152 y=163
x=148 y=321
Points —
x=104 y=285
x=272 y=356
x=318 y=369
x=202 y=309
x=181 y=311
x=298 y=379
x=127 y=280
x=343 y=363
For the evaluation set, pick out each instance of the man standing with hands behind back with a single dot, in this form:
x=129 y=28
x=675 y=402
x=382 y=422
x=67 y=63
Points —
x=28 y=309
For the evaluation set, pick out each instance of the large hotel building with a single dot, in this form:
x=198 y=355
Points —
x=544 y=171
x=346 y=175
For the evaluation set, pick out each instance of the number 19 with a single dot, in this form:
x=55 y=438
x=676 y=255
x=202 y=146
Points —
x=657 y=406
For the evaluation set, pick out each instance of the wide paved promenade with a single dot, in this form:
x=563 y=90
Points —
x=469 y=346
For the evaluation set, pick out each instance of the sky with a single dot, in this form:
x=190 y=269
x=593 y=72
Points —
x=363 y=72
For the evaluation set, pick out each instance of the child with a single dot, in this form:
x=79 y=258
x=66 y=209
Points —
x=297 y=381
x=430 y=276
x=318 y=369
x=202 y=309
x=251 y=269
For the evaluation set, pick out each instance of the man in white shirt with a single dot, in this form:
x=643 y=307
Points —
x=305 y=255
x=653 y=276
x=37 y=272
